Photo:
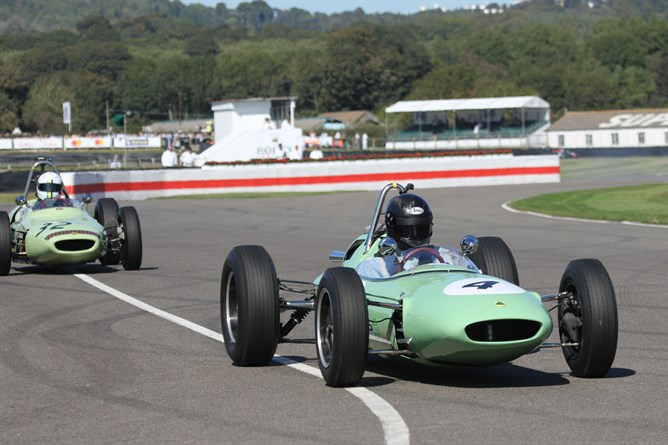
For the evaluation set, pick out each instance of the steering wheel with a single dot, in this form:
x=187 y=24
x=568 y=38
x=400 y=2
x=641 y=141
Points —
x=418 y=250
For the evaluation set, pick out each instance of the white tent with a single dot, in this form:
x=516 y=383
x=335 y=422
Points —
x=489 y=103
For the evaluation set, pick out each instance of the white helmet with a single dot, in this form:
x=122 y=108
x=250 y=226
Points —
x=49 y=185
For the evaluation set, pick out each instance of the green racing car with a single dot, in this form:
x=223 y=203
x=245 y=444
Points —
x=55 y=230
x=397 y=295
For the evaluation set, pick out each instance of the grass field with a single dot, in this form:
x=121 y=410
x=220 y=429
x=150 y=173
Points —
x=647 y=203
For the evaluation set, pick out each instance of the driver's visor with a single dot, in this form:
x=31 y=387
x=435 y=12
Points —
x=415 y=228
x=49 y=187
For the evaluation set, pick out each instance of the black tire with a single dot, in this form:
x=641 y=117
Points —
x=494 y=258
x=249 y=306
x=106 y=209
x=590 y=319
x=341 y=327
x=5 y=244
x=131 y=250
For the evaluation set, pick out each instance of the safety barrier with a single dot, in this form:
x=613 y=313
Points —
x=433 y=172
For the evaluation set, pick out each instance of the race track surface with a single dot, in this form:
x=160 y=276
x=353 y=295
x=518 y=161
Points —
x=79 y=365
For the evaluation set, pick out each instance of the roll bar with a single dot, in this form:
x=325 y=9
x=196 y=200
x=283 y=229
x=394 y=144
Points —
x=41 y=162
x=379 y=209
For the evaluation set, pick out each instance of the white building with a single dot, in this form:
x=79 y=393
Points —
x=610 y=129
x=248 y=129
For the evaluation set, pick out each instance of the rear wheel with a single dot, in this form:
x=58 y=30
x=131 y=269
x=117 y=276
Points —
x=494 y=258
x=131 y=250
x=341 y=327
x=106 y=214
x=5 y=244
x=249 y=306
x=589 y=318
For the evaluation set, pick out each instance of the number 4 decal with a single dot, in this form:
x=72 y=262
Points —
x=482 y=284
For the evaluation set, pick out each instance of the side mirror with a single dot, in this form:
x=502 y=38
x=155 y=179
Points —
x=469 y=244
x=387 y=246
x=87 y=198
x=337 y=256
x=20 y=200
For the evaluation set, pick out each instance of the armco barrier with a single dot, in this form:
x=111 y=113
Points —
x=433 y=172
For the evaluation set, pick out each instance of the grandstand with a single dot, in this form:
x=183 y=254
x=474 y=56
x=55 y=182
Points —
x=495 y=122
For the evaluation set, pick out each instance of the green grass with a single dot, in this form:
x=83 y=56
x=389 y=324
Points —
x=614 y=167
x=646 y=203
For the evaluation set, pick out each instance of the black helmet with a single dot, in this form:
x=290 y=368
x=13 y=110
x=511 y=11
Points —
x=408 y=220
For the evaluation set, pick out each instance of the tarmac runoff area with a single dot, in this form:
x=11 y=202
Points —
x=73 y=351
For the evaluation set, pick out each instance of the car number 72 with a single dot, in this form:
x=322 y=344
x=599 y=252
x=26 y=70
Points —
x=52 y=226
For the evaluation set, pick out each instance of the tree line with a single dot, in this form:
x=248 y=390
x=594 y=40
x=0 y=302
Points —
x=160 y=63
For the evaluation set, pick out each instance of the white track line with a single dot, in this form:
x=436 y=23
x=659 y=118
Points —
x=394 y=428
x=506 y=206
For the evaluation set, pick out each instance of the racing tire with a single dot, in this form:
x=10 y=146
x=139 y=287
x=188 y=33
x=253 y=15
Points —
x=494 y=258
x=590 y=318
x=249 y=306
x=5 y=244
x=341 y=327
x=131 y=250
x=107 y=209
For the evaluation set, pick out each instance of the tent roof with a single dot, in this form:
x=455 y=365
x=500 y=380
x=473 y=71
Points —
x=488 y=103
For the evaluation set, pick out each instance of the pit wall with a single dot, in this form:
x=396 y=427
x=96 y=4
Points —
x=436 y=172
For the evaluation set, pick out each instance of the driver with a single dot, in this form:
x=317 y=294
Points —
x=408 y=220
x=50 y=187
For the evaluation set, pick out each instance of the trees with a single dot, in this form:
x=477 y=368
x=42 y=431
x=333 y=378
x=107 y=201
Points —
x=165 y=59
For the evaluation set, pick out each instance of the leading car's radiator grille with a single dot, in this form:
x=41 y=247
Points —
x=502 y=330
x=75 y=245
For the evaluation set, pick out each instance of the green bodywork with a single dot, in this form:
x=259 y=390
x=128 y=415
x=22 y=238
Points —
x=450 y=314
x=56 y=236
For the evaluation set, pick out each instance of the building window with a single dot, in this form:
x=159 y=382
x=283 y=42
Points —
x=615 y=138
x=589 y=140
x=641 y=137
x=562 y=143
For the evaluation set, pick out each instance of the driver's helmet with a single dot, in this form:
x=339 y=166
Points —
x=49 y=185
x=408 y=220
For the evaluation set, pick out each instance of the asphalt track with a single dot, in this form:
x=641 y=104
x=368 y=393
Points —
x=80 y=365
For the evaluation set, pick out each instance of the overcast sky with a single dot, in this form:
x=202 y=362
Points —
x=369 y=6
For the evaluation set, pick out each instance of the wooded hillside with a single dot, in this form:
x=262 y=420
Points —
x=161 y=59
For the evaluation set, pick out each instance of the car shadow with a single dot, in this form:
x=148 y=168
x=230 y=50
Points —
x=508 y=375
x=90 y=269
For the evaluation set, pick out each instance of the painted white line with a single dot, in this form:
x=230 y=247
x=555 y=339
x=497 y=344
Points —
x=506 y=206
x=395 y=429
x=150 y=309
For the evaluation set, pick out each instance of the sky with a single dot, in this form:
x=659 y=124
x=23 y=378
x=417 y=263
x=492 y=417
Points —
x=369 y=6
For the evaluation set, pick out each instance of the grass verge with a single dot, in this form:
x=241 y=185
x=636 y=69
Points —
x=647 y=203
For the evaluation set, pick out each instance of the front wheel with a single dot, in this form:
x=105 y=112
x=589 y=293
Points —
x=341 y=327
x=494 y=258
x=588 y=318
x=5 y=244
x=249 y=306
x=131 y=250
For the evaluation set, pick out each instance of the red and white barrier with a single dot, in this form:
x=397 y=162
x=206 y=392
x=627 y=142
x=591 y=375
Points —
x=436 y=172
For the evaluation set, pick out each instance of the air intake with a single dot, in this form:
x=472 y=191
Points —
x=502 y=330
x=75 y=245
